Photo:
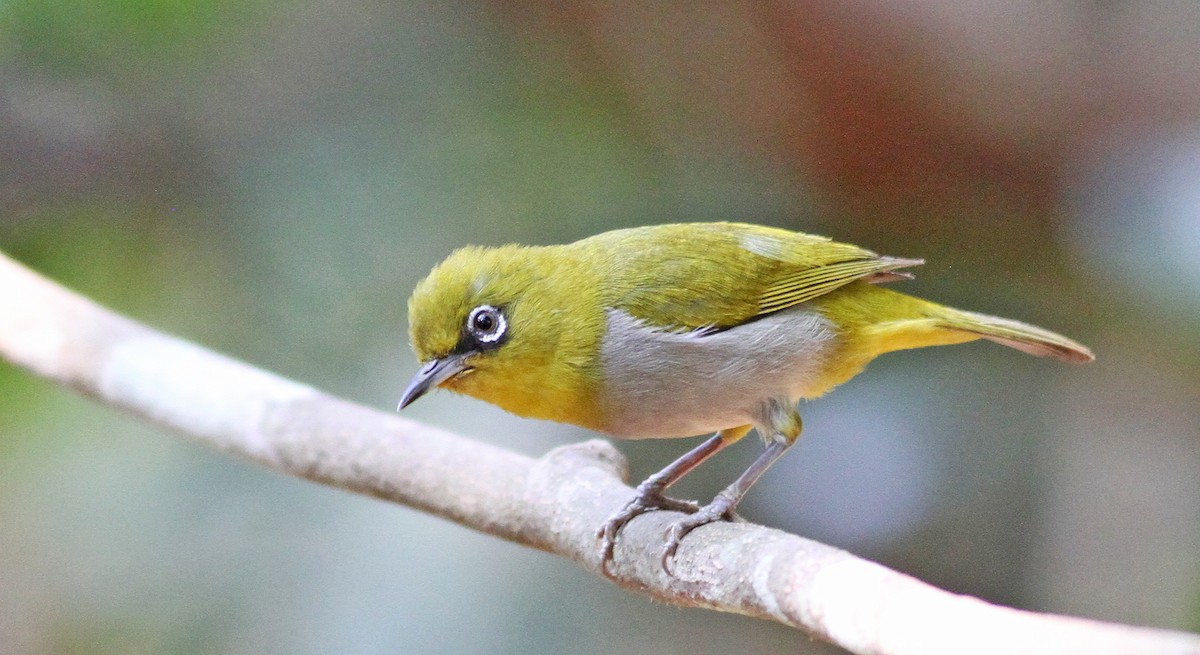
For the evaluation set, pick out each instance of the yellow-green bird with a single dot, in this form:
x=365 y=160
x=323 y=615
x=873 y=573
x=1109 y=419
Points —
x=678 y=330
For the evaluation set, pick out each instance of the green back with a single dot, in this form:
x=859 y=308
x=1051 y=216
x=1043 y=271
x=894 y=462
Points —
x=718 y=275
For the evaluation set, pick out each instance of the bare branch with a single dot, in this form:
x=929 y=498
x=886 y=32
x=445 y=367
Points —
x=554 y=503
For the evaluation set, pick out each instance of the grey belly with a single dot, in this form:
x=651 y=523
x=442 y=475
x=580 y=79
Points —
x=671 y=384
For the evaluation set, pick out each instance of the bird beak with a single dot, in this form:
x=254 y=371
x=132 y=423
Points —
x=433 y=373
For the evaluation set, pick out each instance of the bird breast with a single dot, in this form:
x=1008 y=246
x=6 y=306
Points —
x=659 y=383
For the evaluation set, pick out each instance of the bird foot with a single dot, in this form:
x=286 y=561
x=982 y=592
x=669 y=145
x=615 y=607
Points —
x=720 y=509
x=649 y=498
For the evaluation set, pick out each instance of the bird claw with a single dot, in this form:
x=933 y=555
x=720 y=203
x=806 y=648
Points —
x=718 y=510
x=646 y=500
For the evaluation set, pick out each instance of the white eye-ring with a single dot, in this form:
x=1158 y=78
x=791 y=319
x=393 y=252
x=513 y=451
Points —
x=487 y=324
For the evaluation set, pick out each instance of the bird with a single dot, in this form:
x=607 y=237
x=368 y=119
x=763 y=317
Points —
x=678 y=330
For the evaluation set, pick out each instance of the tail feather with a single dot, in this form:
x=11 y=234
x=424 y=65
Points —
x=886 y=321
x=1015 y=334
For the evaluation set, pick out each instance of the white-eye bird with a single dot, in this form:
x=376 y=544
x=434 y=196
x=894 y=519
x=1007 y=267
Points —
x=677 y=330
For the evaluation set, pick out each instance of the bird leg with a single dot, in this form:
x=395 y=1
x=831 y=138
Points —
x=721 y=507
x=649 y=496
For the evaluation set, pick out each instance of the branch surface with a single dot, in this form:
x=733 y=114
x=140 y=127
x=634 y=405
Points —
x=554 y=503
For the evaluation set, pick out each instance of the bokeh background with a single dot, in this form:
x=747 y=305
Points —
x=270 y=179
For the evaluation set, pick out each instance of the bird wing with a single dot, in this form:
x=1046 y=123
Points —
x=718 y=275
x=805 y=284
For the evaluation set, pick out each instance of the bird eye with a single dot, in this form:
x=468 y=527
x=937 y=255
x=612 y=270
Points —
x=487 y=324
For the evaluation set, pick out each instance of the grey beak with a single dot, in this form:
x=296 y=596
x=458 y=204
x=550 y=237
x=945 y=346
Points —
x=433 y=373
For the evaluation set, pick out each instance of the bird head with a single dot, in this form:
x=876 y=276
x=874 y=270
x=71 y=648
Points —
x=509 y=325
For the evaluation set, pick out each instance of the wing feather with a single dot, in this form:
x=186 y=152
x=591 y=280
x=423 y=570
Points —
x=717 y=275
x=804 y=284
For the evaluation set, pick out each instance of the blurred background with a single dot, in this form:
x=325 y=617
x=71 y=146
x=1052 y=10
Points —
x=270 y=179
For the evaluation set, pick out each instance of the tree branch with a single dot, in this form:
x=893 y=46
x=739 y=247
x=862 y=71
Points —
x=554 y=503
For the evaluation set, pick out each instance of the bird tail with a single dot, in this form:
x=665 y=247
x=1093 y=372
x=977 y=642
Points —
x=916 y=323
x=1015 y=334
